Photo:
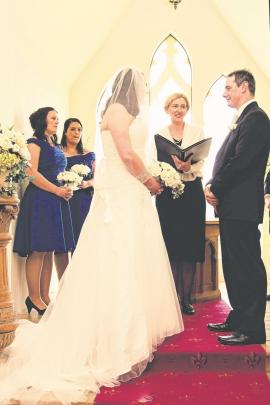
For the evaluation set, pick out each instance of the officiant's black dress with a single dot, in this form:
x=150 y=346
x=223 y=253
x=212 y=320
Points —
x=183 y=219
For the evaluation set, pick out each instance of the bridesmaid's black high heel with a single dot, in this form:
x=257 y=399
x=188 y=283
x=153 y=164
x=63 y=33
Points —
x=30 y=305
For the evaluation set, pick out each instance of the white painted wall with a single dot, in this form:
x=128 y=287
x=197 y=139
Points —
x=212 y=47
x=210 y=43
x=33 y=47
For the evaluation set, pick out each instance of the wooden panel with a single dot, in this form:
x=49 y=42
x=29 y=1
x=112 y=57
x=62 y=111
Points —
x=206 y=279
x=8 y=211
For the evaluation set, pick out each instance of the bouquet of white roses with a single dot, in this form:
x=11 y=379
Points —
x=70 y=179
x=14 y=158
x=82 y=170
x=168 y=177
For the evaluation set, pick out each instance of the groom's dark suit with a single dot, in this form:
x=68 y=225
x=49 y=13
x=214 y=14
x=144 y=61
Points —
x=267 y=184
x=238 y=183
x=267 y=191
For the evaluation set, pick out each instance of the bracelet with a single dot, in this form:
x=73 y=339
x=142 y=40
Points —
x=143 y=176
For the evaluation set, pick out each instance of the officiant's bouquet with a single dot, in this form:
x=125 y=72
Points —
x=14 y=159
x=70 y=179
x=168 y=177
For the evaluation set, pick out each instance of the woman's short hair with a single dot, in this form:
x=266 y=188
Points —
x=244 y=75
x=170 y=99
x=38 y=121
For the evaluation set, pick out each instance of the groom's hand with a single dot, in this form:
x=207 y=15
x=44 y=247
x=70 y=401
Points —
x=267 y=201
x=210 y=197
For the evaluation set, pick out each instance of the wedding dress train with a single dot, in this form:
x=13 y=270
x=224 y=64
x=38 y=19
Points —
x=116 y=302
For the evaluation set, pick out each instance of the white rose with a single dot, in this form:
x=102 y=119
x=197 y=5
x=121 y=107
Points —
x=24 y=153
x=5 y=144
x=15 y=148
x=165 y=175
x=82 y=169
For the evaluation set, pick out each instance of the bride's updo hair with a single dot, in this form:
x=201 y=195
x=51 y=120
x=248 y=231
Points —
x=125 y=91
x=38 y=121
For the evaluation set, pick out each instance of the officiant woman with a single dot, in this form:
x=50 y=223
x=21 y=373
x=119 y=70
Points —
x=183 y=219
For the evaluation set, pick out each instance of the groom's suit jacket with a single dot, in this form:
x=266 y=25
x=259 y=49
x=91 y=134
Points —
x=267 y=184
x=238 y=173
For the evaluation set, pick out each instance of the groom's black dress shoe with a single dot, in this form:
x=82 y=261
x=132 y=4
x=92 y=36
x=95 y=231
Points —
x=220 y=327
x=239 y=339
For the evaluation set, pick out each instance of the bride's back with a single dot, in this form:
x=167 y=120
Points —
x=112 y=169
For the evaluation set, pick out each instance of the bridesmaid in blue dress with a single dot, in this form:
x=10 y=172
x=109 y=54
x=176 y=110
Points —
x=80 y=202
x=44 y=222
x=76 y=154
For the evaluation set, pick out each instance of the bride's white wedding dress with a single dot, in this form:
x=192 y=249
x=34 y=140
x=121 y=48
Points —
x=116 y=301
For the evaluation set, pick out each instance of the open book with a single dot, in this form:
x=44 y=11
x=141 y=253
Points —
x=198 y=150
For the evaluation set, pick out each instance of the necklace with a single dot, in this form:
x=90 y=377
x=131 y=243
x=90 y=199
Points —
x=177 y=141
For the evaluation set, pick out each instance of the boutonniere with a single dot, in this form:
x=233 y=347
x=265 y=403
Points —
x=232 y=127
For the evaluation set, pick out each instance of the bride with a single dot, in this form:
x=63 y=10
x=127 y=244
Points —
x=117 y=301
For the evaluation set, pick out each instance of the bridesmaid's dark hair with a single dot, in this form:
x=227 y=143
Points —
x=38 y=121
x=79 y=146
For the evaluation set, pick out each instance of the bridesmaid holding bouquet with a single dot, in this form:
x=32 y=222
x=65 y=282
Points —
x=82 y=162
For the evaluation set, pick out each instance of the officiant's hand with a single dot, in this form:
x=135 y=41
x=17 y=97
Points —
x=182 y=165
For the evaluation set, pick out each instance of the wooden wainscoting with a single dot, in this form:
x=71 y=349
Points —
x=206 y=279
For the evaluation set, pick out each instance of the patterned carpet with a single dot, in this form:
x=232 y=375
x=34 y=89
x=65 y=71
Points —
x=192 y=368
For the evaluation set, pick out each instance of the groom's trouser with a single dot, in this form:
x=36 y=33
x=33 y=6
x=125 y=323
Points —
x=244 y=275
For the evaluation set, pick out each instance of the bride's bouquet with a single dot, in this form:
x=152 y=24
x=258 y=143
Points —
x=168 y=177
x=70 y=179
x=82 y=170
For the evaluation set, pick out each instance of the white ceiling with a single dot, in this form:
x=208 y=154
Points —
x=249 y=19
x=66 y=32
x=70 y=32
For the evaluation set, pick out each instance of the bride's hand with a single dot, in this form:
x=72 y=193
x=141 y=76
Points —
x=153 y=186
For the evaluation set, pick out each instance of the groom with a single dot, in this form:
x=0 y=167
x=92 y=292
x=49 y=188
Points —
x=267 y=204
x=236 y=191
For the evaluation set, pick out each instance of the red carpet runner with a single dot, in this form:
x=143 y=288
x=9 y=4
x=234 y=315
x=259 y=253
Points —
x=193 y=369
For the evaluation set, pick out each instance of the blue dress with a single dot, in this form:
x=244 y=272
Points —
x=44 y=221
x=81 y=200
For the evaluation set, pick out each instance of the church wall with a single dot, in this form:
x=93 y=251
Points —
x=23 y=87
x=212 y=47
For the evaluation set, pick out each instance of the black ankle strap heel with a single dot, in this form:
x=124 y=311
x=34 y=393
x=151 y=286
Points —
x=30 y=305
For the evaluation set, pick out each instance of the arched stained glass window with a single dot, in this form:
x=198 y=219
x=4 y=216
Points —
x=170 y=72
x=217 y=118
